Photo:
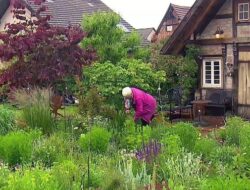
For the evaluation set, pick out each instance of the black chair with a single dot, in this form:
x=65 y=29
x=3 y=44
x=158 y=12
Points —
x=221 y=102
x=173 y=104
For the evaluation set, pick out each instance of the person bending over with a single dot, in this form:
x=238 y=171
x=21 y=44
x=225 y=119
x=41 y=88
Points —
x=144 y=104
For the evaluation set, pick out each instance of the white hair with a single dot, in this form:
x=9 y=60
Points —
x=127 y=92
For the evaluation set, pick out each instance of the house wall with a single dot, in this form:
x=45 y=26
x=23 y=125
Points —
x=223 y=51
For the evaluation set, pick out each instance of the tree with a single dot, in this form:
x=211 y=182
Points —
x=110 y=41
x=181 y=71
x=40 y=54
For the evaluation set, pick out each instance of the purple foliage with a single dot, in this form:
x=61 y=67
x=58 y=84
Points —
x=42 y=54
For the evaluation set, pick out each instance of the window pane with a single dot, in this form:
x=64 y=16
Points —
x=208 y=82
x=241 y=16
x=241 y=7
x=216 y=81
x=245 y=7
x=245 y=15
x=216 y=72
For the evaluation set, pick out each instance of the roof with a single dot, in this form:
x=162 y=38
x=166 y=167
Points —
x=65 y=12
x=200 y=14
x=179 y=12
x=144 y=33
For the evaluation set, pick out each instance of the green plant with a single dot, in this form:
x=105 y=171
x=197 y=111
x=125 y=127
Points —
x=172 y=144
x=184 y=170
x=205 y=147
x=16 y=147
x=98 y=140
x=7 y=120
x=229 y=183
x=187 y=133
x=33 y=179
x=67 y=174
x=35 y=105
x=48 y=150
x=233 y=127
x=110 y=78
x=133 y=181
x=224 y=154
x=244 y=140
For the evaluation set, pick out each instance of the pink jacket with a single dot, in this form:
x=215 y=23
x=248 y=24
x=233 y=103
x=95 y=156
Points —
x=145 y=105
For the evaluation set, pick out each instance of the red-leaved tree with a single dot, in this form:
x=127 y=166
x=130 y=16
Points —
x=40 y=54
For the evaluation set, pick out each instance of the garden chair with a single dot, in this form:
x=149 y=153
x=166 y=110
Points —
x=56 y=104
x=174 y=106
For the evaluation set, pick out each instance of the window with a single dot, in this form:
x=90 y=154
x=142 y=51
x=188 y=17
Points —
x=169 y=28
x=212 y=73
x=243 y=11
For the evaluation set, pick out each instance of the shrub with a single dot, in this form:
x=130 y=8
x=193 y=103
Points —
x=7 y=120
x=16 y=147
x=35 y=105
x=98 y=139
x=205 y=147
x=187 y=133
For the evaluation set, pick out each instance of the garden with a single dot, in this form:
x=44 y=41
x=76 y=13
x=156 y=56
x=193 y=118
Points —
x=93 y=143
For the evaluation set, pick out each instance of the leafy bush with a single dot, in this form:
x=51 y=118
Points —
x=7 y=120
x=172 y=144
x=98 y=139
x=187 y=133
x=110 y=79
x=35 y=105
x=48 y=150
x=16 y=147
x=229 y=183
x=205 y=147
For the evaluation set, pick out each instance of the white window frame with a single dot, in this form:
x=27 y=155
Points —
x=169 y=28
x=242 y=4
x=212 y=84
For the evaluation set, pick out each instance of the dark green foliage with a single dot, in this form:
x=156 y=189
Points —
x=98 y=139
x=110 y=79
x=180 y=71
x=187 y=133
x=205 y=147
x=16 y=147
x=7 y=120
